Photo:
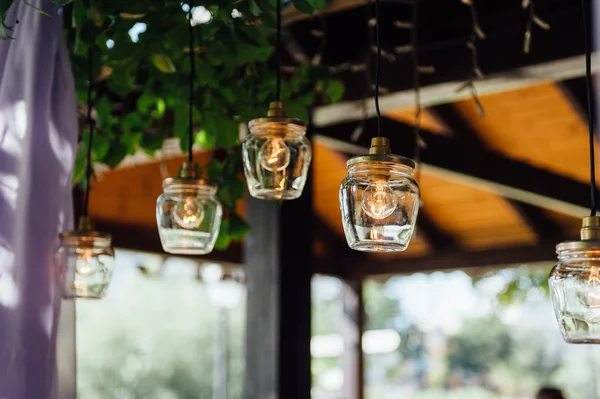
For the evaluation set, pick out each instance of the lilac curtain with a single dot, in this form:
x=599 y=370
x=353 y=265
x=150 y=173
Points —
x=38 y=136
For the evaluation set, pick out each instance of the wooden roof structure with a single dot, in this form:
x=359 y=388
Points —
x=502 y=189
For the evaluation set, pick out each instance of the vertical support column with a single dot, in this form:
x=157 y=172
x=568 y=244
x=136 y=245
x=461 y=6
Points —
x=352 y=331
x=279 y=268
x=221 y=354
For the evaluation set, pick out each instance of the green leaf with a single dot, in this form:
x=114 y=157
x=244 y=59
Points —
x=103 y=112
x=215 y=170
x=205 y=73
x=304 y=6
x=151 y=143
x=123 y=49
x=255 y=9
x=181 y=120
x=318 y=4
x=238 y=228
x=204 y=140
x=223 y=239
x=335 y=90
x=224 y=129
x=296 y=109
x=230 y=192
x=80 y=164
x=163 y=63
x=115 y=154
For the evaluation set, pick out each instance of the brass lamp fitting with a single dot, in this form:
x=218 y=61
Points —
x=590 y=229
x=380 y=146
x=189 y=170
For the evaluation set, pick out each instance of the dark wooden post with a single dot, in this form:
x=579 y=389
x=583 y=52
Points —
x=352 y=331
x=279 y=267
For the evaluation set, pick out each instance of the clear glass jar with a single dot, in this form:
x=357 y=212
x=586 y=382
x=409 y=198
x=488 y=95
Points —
x=188 y=215
x=379 y=202
x=84 y=262
x=276 y=156
x=575 y=291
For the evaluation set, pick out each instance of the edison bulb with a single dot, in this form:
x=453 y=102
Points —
x=274 y=155
x=85 y=263
x=588 y=291
x=379 y=201
x=188 y=214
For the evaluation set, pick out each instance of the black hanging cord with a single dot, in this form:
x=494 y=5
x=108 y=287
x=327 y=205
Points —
x=377 y=67
x=588 y=79
x=88 y=169
x=191 y=101
x=278 y=53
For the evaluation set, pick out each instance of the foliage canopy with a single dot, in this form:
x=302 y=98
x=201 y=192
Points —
x=140 y=54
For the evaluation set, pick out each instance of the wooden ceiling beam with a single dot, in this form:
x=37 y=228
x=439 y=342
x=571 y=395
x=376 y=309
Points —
x=450 y=260
x=469 y=164
x=444 y=93
x=438 y=240
x=538 y=221
x=576 y=93
x=462 y=129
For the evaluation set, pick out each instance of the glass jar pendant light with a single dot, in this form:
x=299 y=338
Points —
x=188 y=213
x=379 y=199
x=575 y=281
x=85 y=257
x=276 y=156
x=575 y=285
x=85 y=260
x=276 y=153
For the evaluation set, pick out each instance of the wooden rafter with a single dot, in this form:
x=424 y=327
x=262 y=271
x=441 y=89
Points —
x=448 y=260
x=472 y=165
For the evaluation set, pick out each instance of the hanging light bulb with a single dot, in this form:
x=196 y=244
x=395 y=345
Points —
x=276 y=153
x=276 y=156
x=385 y=187
x=84 y=262
x=575 y=281
x=388 y=195
x=378 y=200
x=84 y=258
x=188 y=213
x=575 y=285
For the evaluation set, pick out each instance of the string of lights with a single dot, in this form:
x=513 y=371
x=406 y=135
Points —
x=534 y=19
x=475 y=73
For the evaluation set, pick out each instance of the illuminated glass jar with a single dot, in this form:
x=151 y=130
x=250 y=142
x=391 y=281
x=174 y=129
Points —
x=379 y=200
x=188 y=214
x=575 y=285
x=85 y=261
x=276 y=156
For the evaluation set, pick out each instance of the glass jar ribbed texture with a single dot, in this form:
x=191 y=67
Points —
x=575 y=292
x=84 y=263
x=379 y=203
x=276 y=157
x=188 y=215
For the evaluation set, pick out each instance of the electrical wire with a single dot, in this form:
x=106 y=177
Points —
x=278 y=53
x=191 y=100
x=88 y=169
x=377 y=66
x=588 y=80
